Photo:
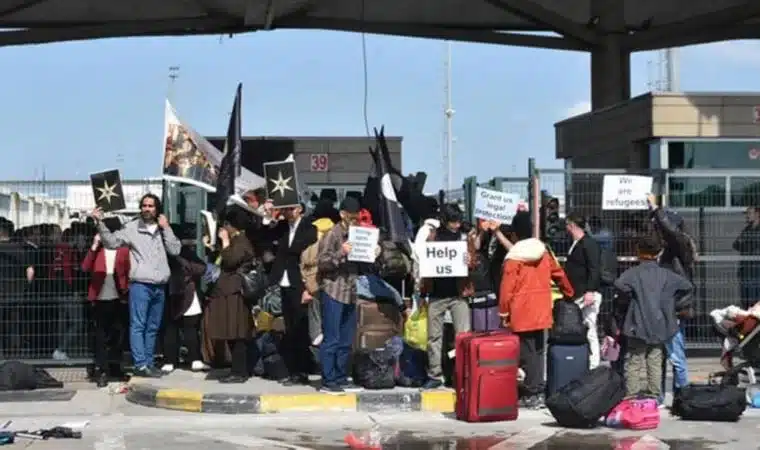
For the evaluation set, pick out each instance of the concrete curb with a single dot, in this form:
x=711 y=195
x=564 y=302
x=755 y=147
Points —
x=369 y=401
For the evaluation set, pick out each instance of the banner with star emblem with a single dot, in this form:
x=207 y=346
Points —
x=282 y=183
x=106 y=187
x=189 y=158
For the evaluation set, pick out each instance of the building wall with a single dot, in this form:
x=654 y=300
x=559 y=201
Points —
x=705 y=115
x=617 y=136
x=348 y=158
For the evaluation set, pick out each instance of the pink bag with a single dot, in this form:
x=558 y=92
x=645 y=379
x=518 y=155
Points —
x=635 y=414
x=610 y=349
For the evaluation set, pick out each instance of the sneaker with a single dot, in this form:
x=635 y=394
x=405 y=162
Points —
x=318 y=340
x=199 y=366
x=432 y=383
x=167 y=369
x=351 y=387
x=60 y=355
x=146 y=372
x=332 y=390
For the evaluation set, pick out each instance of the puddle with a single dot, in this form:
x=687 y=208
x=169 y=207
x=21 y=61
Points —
x=565 y=441
x=571 y=441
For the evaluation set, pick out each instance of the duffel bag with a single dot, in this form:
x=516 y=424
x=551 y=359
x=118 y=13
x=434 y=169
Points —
x=582 y=402
x=709 y=402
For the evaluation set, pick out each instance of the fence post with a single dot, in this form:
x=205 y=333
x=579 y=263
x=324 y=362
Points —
x=469 y=187
x=534 y=187
x=569 y=201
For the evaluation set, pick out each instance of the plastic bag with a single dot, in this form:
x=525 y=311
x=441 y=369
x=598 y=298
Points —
x=415 y=328
x=372 y=439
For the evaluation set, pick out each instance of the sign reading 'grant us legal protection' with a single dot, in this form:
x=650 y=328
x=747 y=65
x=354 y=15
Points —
x=495 y=205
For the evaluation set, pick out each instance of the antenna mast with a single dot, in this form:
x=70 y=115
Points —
x=173 y=75
x=448 y=113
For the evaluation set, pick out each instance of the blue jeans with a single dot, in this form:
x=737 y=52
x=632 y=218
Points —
x=338 y=328
x=372 y=287
x=675 y=351
x=146 y=309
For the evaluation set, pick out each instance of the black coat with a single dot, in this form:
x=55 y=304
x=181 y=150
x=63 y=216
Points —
x=288 y=255
x=584 y=266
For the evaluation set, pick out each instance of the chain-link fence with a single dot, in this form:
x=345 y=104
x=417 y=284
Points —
x=713 y=225
x=45 y=316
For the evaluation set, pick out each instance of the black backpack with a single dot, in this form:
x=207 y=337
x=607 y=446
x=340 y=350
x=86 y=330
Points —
x=568 y=328
x=582 y=402
x=609 y=266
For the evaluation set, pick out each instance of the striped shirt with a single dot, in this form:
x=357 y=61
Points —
x=336 y=274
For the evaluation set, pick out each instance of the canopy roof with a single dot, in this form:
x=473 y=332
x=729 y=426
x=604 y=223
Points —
x=577 y=24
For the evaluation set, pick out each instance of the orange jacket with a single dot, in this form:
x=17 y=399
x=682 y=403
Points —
x=525 y=294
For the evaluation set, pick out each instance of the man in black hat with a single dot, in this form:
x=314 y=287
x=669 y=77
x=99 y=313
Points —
x=338 y=285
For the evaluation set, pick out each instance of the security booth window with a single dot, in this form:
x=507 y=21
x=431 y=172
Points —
x=714 y=154
x=696 y=192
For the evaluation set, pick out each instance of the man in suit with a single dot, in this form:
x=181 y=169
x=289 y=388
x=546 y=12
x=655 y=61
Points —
x=584 y=270
x=294 y=236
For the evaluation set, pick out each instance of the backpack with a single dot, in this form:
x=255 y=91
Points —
x=568 y=328
x=609 y=266
x=375 y=369
x=582 y=402
x=394 y=262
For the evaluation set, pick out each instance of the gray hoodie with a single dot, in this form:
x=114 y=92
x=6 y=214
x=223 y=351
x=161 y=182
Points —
x=147 y=250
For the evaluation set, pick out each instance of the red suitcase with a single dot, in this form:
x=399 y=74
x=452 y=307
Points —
x=486 y=367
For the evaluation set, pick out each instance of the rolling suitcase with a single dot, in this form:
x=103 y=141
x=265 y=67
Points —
x=486 y=376
x=376 y=323
x=565 y=363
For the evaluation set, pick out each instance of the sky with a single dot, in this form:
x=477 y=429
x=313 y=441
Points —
x=70 y=109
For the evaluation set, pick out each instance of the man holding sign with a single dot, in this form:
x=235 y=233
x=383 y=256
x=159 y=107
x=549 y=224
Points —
x=444 y=268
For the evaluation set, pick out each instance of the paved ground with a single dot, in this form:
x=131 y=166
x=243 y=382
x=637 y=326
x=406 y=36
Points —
x=117 y=425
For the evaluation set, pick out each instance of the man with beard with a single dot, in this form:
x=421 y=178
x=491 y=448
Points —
x=149 y=238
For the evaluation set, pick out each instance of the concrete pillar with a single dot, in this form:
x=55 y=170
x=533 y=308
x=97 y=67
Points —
x=610 y=63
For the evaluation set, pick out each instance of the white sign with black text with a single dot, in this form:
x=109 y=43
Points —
x=364 y=241
x=625 y=192
x=495 y=205
x=444 y=260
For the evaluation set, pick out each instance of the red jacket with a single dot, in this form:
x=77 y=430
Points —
x=62 y=265
x=95 y=263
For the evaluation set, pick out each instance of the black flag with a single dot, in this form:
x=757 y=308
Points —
x=107 y=189
x=229 y=168
x=390 y=217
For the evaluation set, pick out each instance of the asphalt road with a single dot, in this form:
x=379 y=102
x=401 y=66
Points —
x=117 y=425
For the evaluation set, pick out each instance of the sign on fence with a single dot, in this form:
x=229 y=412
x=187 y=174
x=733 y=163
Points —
x=443 y=260
x=625 y=192
x=364 y=241
x=495 y=205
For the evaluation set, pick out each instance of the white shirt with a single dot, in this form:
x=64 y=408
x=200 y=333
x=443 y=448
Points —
x=109 y=291
x=152 y=228
x=285 y=281
x=195 y=306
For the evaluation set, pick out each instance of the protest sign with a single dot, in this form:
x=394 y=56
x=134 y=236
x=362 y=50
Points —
x=625 y=192
x=443 y=259
x=495 y=205
x=363 y=242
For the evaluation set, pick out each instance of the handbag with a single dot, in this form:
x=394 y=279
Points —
x=254 y=282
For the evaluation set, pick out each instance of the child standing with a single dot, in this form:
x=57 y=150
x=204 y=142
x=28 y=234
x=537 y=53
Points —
x=651 y=297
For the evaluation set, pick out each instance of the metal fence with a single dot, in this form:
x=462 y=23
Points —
x=714 y=217
x=47 y=318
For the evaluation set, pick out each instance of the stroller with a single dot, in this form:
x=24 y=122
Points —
x=740 y=330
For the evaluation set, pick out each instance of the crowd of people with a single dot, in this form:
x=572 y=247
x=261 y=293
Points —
x=145 y=276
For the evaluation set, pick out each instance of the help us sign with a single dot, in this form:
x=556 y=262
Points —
x=443 y=260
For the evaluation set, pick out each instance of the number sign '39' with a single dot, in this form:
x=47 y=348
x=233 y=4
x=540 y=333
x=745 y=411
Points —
x=319 y=162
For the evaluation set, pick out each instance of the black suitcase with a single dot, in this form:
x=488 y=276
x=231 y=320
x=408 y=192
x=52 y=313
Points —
x=565 y=363
x=581 y=403
x=710 y=403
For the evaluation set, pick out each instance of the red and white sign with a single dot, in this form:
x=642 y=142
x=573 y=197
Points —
x=319 y=162
x=756 y=114
x=754 y=153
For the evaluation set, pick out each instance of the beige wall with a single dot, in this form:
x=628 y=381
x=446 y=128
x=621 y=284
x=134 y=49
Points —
x=616 y=137
x=705 y=115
